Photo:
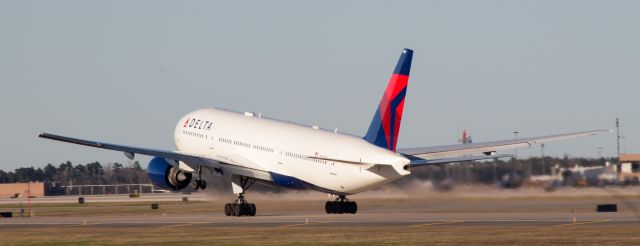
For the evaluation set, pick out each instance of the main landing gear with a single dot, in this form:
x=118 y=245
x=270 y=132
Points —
x=341 y=206
x=240 y=207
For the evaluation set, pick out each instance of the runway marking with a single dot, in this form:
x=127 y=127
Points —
x=184 y=224
x=70 y=225
x=586 y=222
x=87 y=224
x=438 y=223
x=306 y=223
x=282 y=223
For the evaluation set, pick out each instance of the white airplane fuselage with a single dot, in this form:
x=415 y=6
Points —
x=324 y=160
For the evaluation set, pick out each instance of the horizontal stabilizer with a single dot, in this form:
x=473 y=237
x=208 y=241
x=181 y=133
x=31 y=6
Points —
x=359 y=162
x=423 y=162
x=483 y=147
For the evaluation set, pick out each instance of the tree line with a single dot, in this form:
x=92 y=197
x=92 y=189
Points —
x=80 y=174
x=468 y=172
x=492 y=171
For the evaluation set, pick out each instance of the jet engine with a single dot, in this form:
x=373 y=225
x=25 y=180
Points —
x=166 y=176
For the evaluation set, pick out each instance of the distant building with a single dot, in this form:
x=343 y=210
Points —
x=21 y=189
x=630 y=167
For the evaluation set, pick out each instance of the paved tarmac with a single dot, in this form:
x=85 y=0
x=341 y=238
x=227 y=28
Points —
x=365 y=219
x=439 y=209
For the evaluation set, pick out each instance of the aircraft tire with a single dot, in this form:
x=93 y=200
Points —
x=227 y=209
x=341 y=207
x=245 y=209
x=237 y=210
x=354 y=208
x=252 y=209
x=335 y=207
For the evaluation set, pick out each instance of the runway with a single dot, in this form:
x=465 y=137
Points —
x=371 y=219
x=306 y=210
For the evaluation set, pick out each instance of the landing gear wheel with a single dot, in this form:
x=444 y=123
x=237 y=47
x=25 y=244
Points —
x=199 y=184
x=332 y=207
x=354 y=208
x=227 y=209
x=341 y=206
x=240 y=207
x=237 y=211
x=252 y=209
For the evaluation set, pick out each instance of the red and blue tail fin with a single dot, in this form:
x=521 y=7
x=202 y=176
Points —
x=385 y=125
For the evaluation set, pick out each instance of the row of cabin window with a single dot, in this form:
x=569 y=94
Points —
x=224 y=140
x=193 y=134
x=258 y=147
x=306 y=158
x=241 y=144
x=229 y=141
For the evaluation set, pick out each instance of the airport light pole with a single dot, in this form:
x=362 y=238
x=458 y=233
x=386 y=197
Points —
x=542 y=158
x=599 y=152
x=618 y=137
x=29 y=198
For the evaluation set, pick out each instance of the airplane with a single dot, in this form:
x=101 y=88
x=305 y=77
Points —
x=246 y=148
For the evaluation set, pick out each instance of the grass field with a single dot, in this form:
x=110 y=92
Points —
x=113 y=208
x=440 y=235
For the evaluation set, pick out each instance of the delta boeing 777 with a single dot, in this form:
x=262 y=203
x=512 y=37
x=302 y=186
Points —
x=248 y=148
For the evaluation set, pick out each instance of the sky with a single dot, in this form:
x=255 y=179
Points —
x=126 y=71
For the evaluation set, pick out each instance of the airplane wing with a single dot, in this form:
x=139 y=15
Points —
x=130 y=151
x=487 y=147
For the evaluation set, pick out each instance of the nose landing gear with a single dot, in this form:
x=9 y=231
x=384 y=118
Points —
x=199 y=183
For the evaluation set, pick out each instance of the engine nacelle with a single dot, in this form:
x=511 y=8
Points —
x=166 y=176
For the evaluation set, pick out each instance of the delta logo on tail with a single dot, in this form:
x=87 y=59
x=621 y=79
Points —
x=385 y=126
